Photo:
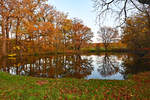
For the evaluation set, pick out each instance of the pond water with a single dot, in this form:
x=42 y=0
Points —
x=90 y=66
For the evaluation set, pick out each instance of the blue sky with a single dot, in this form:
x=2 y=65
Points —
x=82 y=9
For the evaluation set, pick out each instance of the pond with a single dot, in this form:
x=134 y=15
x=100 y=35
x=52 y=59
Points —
x=88 y=66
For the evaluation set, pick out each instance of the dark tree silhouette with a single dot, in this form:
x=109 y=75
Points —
x=144 y=1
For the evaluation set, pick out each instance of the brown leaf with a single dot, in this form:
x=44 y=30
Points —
x=41 y=82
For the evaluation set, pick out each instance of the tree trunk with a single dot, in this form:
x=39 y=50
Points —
x=17 y=28
x=4 y=52
x=105 y=46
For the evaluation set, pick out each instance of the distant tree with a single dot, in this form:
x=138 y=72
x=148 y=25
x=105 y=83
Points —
x=107 y=35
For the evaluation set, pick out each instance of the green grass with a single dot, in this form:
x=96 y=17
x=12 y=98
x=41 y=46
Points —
x=101 y=49
x=30 y=88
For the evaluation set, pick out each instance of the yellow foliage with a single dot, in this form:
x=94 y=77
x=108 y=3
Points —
x=12 y=55
x=16 y=48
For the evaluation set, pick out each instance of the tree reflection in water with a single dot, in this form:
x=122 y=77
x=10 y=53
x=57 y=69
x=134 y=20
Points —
x=108 y=65
x=135 y=64
x=53 y=66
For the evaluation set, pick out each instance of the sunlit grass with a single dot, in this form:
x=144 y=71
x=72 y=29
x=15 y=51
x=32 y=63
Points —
x=30 y=88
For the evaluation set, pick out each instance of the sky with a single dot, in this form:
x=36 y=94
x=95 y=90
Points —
x=82 y=9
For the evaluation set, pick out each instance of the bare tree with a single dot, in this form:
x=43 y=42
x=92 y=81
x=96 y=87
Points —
x=107 y=35
x=119 y=9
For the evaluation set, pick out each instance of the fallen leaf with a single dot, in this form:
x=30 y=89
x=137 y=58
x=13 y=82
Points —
x=41 y=82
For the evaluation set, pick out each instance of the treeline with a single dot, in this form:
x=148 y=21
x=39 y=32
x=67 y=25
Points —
x=34 y=26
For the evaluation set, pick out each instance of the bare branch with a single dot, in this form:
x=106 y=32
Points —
x=121 y=9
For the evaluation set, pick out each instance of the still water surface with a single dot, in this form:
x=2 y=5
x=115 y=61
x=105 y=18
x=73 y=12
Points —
x=91 y=66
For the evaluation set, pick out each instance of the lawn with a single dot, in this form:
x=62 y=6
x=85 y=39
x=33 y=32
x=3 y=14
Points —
x=30 y=88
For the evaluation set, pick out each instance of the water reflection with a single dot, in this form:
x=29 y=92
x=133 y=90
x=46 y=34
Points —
x=135 y=64
x=108 y=65
x=53 y=66
x=103 y=66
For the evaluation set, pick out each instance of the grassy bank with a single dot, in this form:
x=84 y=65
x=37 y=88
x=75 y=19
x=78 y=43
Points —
x=81 y=51
x=104 y=50
x=29 y=88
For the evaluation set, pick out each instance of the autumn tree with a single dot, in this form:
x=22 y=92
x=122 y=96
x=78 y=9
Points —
x=6 y=8
x=66 y=31
x=80 y=34
x=107 y=35
x=33 y=25
x=13 y=14
x=45 y=26
x=59 y=38
x=136 y=32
